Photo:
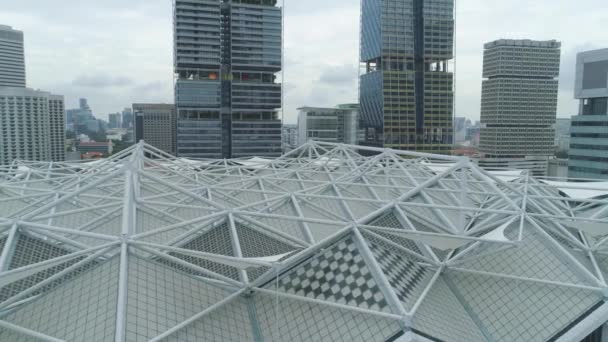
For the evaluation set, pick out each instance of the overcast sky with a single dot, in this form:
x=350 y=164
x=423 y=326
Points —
x=116 y=52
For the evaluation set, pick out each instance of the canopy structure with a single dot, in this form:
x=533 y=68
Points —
x=326 y=243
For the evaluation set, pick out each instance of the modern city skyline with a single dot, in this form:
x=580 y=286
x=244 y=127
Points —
x=406 y=89
x=227 y=57
x=12 y=57
x=589 y=129
x=518 y=104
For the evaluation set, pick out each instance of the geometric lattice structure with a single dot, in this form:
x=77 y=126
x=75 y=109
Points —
x=321 y=244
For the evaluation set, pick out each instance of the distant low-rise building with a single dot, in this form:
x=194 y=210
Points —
x=104 y=148
x=337 y=125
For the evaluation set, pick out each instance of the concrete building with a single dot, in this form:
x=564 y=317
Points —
x=589 y=131
x=519 y=103
x=337 y=125
x=289 y=137
x=155 y=124
x=406 y=89
x=226 y=58
x=31 y=125
x=57 y=127
x=12 y=58
x=562 y=135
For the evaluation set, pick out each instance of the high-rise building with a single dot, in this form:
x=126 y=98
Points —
x=337 y=125
x=518 y=104
x=84 y=104
x=31 y=125
x=589 y=130
x=57 y=127
x=127 y=118
x=155 y=124
x=114 y=120
x=406 y=88
x=226 y=58
x=12 y=59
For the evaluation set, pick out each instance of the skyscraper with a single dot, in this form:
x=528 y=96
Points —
x=12 y=60
x=57 y=127
x=114 y=120
x=406 y=89
x=31 y=125
x=589 y=130
x=519 y=103
x=127 y=118
x=227 y=55
x=155 y=124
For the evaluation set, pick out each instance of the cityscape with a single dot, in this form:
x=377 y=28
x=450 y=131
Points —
x=264 y=188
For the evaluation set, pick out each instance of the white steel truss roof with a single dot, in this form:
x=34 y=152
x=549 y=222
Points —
x=321 y=244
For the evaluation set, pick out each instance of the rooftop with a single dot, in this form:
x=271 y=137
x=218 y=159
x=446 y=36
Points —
x=321 y=244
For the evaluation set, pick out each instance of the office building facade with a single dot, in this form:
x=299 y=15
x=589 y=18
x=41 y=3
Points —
x=227 y=55
x=589 y=130
x=336 y=125
x=518 y=104
x=31 y=125
x=12 y=58
x=155 y=124
x=406 y=87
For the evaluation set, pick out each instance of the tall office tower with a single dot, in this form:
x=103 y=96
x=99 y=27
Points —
x=406 y=89
x=589 y=130
x=84 y=104
x=155 y=124
x=337 y=125
x=227 y=54
x=114 y=120
x=127 y=118
x=31 y=125
x=57 y=127
x=12 y=59
x=518 y=104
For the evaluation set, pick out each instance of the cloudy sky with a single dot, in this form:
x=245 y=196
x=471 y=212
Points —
x=116 y=52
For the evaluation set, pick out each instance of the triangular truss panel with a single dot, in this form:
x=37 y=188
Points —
x=328 y=242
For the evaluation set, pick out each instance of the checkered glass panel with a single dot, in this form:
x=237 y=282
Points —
x=338 y=275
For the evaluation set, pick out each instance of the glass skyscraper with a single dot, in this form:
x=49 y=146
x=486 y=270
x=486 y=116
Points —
x=589 y=130
x=227 y=56
x=406 y=88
